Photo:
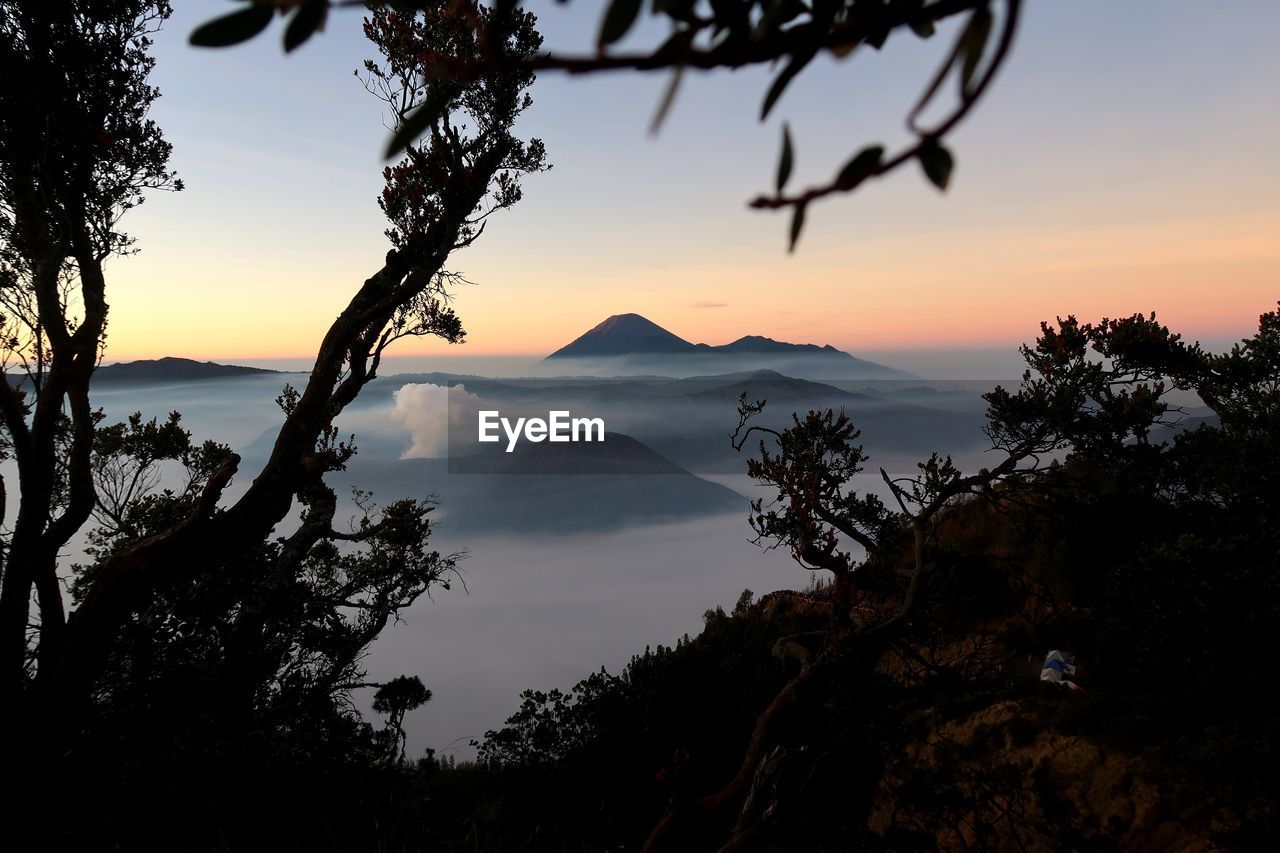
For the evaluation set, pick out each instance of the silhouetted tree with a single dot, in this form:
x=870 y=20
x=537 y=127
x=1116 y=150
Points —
x=244 y=648
x=811 y=467
x=396 y=698
x=77 y=152
x=188 y=607
x=1095 y=390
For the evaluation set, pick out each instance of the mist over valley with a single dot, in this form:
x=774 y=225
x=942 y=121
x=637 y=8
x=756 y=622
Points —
x=577 y=554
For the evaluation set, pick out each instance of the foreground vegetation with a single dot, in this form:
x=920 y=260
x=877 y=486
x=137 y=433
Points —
x=894 y=704
x=1150 y=552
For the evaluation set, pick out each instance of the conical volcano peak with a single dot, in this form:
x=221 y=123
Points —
x=625 y=334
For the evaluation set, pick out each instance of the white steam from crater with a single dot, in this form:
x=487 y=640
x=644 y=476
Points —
x=426 y=411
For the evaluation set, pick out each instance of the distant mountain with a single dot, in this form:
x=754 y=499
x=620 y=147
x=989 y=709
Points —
x=552 y=489
x=171 y=369
x=632 y=343
x=625 y=334
x=758 y=344
x=758 y=385
x=617 y=454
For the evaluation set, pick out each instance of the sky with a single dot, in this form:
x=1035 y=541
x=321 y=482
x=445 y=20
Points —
x=1124 y=161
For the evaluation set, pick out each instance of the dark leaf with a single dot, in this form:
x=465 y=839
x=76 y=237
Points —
x=973 y=44
x=234 y=28
x=936 y=161
x=618 y=19
x=672 y=52
x=843 y=51
x=937 y=81
x=785 y=159
x=305 y=22
x=797 y=225
x=778 y=13
x=862 y=166
x=675 y=48
x=794 y=67
x=668 y=99
x=923 y=27
x=416 y=122
x=677 y=10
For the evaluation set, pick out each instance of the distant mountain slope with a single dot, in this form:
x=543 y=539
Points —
x=632 y=343
x=617 y=454
x=758 y=385
x=552 y=488
x=171 y=369
x=720 y=388
x=624 y=334
x=758 y=343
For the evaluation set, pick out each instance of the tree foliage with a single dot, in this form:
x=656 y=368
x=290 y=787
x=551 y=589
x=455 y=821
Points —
x=78 y=150
x=210 y=636
x=396 y=698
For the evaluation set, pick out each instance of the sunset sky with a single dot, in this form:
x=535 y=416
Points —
x=1124 y=161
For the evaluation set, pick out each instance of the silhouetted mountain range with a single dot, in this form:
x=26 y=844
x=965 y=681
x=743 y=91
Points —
x=632 y=334
x=634 y=342
x=171 y=369
x=759 y=385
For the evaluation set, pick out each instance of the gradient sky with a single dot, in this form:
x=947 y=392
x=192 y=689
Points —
x=1124 y=161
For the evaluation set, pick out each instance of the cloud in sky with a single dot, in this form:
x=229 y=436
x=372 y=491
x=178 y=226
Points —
x=711 y=305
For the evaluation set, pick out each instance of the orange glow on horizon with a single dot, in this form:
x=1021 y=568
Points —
x=1205 y=281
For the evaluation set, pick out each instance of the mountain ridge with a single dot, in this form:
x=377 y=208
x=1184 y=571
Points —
x=172 y=369
x=635 y=334
x=623 y=337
